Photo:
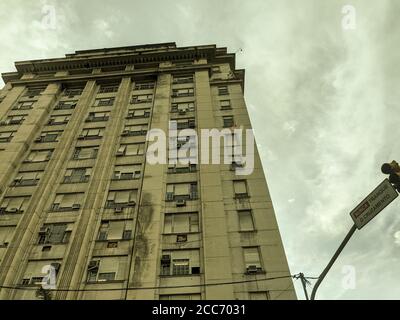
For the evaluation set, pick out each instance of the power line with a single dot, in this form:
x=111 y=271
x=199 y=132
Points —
x=150 y=288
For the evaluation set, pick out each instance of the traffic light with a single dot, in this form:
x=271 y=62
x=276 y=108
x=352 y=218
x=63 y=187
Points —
x=393 y=170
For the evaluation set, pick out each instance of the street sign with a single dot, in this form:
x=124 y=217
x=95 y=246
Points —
x=374 y=203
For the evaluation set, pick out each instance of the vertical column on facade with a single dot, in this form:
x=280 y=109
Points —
x=11 y=263
x=75 y=265
x=216 y=252
x=10 y=157
x=145 y=264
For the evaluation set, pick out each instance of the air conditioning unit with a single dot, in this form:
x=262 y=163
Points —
x=39 y=139
x=93 y=264
x=120 y=153
x=252 y=269
x=13 y=210
x=182 y=111
x=181 y=238
x=125 y=132
x=118 y=209
x=76 y=206
x=180 y=202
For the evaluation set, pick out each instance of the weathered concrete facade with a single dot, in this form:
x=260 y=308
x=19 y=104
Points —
x=77 y=193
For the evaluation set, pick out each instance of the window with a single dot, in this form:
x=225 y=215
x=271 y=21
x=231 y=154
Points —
x=246 y=222
x=14 y=205
x=108 y=88
x=115 y=230
x=130 y=149
x=228 y=121
x=33 y=273
x=67 y=202
x=6 y=136
x=24 y=105
x=183 y=79
x=185 y=123
x=182 y=166
x=259 y=295
x=120 y=199
x=81 y=153
x=252 y=259
x=181 y=222
x=57 y=120
x=106 y=269
x=182 y=107
x=180 y=262
x=66 y=105
x=240 y=189
x=142 y=98
x=135 y=130
x=106 y=276
x=184 y=92
x=13 y=120
x=73 y=92
x=33 y=92
x=144 y=85
x=77 y=175
x=138 y=113
x=48 y=136
x=223 y=90
x=101 y=102
x=97 y=116
x=39 y=156
x=93 y=133
x=29 y=178
x=127 y=172
x=55 y=233
x=181 y=191
x=225 y=104
x=189 y=142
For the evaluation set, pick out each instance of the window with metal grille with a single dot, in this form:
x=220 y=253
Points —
x=77 y=175
x=66 y=105
x=24 y=105
x=138 y=113
x=183 y=79
x=223 y=90
x=180 y=266
x=225 y=104
x=182 y=107
x=135 y=130
x=133 y=149
x=67 y=201
x=142 y=98
x=108 y=88
x=92 y=133
x=184 y=92
x=73 y=92
x=48 y=136
x=144 y=85
x=101 y=102
x=127 y=172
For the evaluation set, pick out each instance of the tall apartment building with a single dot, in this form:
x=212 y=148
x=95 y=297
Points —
x=77 y=193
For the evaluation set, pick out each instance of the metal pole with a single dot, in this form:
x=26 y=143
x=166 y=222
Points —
x=327 y=268
x=303 y=282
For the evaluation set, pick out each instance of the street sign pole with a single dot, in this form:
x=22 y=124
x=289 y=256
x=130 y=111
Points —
x=328 y=267
x=374 y=203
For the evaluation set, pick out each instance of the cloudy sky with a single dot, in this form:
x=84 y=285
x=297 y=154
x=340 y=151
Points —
x=321 y=92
